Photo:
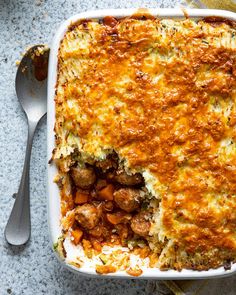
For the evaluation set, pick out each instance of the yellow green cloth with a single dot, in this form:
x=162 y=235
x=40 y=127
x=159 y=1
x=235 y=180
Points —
x=216 y=4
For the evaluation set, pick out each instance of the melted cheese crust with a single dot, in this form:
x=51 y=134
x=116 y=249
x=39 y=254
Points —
x=161 y=93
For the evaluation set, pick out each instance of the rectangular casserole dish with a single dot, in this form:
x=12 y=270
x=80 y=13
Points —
x=53 y=191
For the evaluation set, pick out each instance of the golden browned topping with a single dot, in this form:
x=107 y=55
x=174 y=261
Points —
x=103 y=269
x=161 y=94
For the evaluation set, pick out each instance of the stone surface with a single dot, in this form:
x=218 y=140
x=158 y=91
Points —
x=33 y=269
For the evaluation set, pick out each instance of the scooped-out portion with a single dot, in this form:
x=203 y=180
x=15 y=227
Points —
x=145 y=138
x=103 y=205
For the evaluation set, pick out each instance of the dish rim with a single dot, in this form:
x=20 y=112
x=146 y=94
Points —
x=53 y=202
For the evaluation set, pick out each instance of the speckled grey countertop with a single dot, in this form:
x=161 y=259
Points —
x=33 y=269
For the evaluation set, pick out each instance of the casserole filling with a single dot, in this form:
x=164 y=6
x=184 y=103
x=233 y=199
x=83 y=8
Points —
x=103 y=205
x=145 y=143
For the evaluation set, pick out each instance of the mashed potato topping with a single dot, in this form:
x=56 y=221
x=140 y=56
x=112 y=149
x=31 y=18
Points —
x=160 y=95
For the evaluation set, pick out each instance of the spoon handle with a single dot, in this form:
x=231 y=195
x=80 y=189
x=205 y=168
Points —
x=17 y=231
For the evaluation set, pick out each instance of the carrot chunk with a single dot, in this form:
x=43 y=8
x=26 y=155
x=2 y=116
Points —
x=106 y=193
x=77 y=235
x=81 y=198
x=118 y=217
x=96 y=246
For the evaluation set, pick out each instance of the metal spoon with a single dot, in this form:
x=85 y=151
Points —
x=31 y=90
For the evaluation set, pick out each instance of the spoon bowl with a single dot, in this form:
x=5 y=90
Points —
x=31 y=82
x=31 y=90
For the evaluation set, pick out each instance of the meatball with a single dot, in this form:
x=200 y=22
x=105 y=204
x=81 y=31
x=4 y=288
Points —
x=123 y=178
x=83 y=177
x=106 y=164
x=87 y=215
x=140 y=224
x=127 y=199
x=100 y=231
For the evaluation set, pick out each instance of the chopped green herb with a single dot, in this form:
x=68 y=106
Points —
x=144 y=206
x=103 y=258
x=55 y=245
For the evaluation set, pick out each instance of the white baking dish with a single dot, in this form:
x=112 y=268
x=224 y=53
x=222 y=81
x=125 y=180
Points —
x=53 y=192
